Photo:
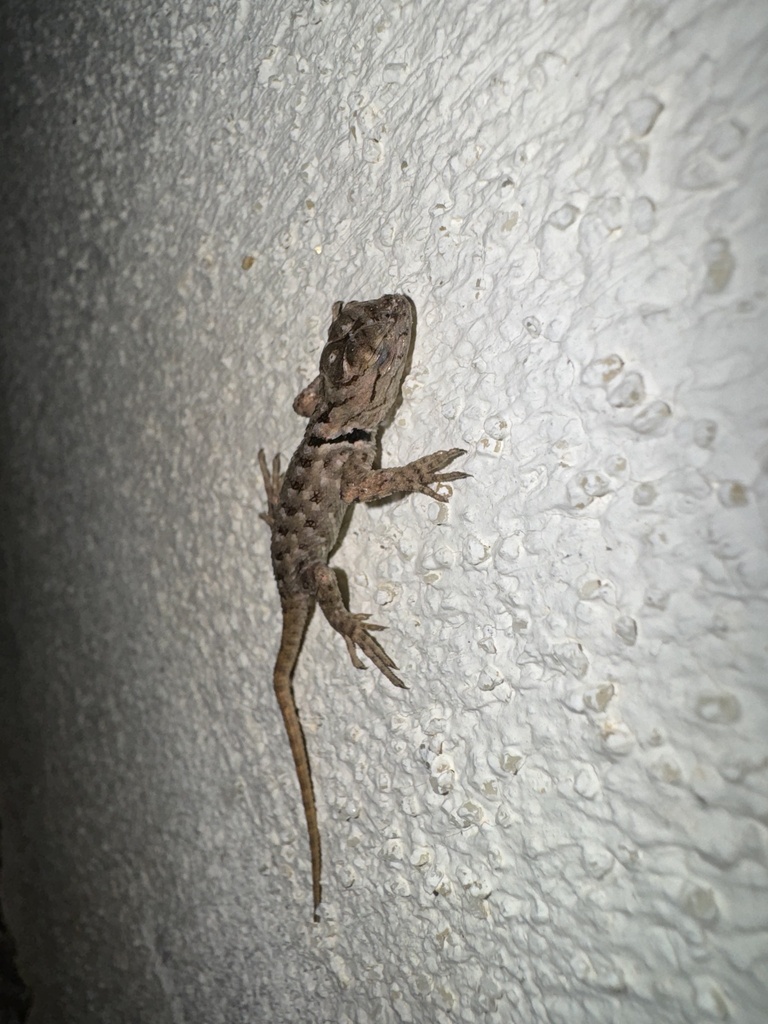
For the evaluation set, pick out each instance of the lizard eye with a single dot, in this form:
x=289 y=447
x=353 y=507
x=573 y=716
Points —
x=332 y=360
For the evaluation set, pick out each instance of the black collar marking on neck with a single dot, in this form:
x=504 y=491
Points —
x=354 y=435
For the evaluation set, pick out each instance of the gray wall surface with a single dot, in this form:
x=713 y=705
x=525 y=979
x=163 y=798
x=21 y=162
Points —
x=563 y=819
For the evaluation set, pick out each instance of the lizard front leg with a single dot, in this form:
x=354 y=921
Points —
x=414 y=478
x=273 y=481
x=352 y=626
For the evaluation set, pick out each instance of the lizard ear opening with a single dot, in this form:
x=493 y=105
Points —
x=307 y=401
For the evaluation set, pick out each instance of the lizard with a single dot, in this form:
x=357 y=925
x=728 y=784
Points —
x=362 y=366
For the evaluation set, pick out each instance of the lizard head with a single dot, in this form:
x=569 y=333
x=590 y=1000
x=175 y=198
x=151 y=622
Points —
x=361 y=366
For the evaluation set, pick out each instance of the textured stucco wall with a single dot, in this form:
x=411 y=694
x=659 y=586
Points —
x=564 y=818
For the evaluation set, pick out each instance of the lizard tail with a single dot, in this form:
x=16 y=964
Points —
x=295 y=617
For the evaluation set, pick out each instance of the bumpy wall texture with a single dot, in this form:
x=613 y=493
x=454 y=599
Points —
x=564 y=818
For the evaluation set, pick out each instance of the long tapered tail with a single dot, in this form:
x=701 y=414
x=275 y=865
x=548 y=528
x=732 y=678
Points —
x=295 y=617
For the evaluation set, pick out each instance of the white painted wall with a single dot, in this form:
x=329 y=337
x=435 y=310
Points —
x=563 y=820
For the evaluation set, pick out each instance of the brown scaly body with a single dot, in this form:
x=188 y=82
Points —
x=361 y=371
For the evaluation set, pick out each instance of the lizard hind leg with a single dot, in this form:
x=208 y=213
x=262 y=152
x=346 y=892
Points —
x=352 y=625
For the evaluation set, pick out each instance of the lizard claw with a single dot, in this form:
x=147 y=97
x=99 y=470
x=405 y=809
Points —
x=441 y=478
x=353 y=653
x=273 y=481
x=427 y=471
x=358 y=634
x=361 y=617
